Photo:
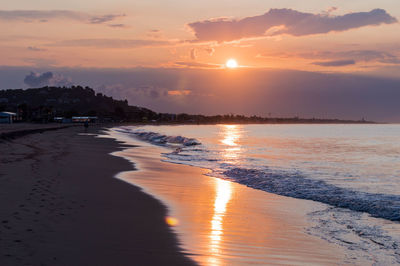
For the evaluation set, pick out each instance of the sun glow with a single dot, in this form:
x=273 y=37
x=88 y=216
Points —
x=231 y=63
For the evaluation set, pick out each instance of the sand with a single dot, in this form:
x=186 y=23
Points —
x=21 y=129
x=61 y=205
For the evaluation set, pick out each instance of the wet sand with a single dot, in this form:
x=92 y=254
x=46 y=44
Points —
x=61 y=205
x=225 y=223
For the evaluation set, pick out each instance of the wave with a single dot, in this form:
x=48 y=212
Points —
x=297 y=186
x=283 y=183
x=160 y=139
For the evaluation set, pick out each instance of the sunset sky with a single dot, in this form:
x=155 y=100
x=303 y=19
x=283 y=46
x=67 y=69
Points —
x=320 y=39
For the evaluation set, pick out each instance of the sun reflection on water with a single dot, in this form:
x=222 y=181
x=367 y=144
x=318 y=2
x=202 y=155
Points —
x=231 y=134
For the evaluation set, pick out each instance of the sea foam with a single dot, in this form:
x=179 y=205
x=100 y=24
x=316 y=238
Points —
x=160 y=139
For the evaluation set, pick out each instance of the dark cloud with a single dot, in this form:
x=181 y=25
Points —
x=46 y=79
x=370 y=55
x=247 y=91
x=133 y=91
x=259 y=91
x=285 y=21
x=37 y=80
x=335 y=63
x=112 y=43
x=47 y=15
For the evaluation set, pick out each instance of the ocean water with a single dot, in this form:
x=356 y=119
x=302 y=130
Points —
x=353 y=169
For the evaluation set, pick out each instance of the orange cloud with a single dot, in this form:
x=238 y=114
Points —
x=179 y=93
x=196 y=65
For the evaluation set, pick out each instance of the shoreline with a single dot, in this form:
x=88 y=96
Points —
x=62 y=205
x=211 y=212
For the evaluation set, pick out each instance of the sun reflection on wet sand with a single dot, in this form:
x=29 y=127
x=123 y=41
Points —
x=224 y=192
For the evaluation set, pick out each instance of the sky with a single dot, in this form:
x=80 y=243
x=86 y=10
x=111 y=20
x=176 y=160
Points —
x=171 y=55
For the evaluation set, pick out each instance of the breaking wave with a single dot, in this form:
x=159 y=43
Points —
x=296 y=186
x=160 y=139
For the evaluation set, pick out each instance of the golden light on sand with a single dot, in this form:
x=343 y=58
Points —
x=171 y=221
x=231 y=63
x=223 y=195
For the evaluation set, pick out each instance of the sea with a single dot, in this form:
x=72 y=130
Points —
x=352 y=169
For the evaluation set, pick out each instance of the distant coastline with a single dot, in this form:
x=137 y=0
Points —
x=61 y=104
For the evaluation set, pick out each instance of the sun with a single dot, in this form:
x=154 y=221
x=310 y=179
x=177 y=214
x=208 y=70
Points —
x=231 y=63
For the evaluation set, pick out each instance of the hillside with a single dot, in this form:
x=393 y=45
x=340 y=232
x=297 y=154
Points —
x=43 y=104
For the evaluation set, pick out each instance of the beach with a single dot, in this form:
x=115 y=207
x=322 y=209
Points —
x=61 y=205
x=105 y=196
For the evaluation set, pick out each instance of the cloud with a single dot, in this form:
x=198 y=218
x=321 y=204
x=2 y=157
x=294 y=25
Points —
x=41 y=62
x=252 y=91
x=142 y=92
x=36 y=49
x=34 y=79
x=156 y=34
x=335 y=63
x=370 y=55
x=118 y=26
x=46 y=79
x=103 y=19
x=329 y=11
x=210 y=51
x=47 y=15
x=356 y=55
x=285 y=21
x=179 y=93
x=112 y=43
x=193 y=55
x=196 y=65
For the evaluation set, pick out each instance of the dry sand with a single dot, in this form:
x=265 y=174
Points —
x=18 y=129
x=61 y=205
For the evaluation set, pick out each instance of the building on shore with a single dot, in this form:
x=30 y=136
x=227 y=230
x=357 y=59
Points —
x=7 y=117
